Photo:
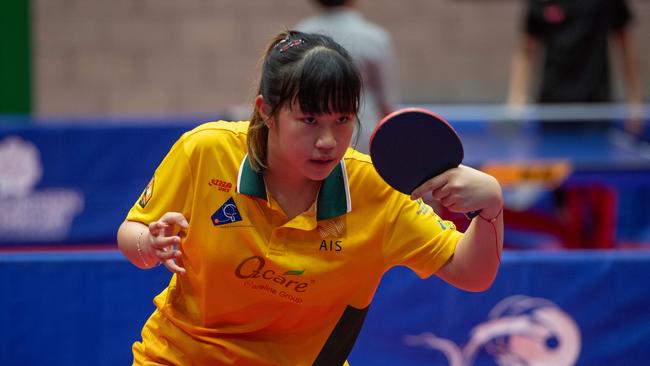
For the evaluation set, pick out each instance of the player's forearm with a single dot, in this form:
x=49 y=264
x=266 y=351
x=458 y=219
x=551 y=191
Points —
x=476 y=260
x=127 y=241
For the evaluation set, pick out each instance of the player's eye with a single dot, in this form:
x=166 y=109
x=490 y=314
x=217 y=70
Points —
x=343 y=120
x=309 y=120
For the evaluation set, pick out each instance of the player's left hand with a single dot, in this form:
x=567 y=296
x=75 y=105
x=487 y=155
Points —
x=464 y=189
x=163 y=241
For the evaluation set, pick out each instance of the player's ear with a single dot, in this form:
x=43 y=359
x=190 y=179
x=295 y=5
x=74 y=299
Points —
x=264 y=110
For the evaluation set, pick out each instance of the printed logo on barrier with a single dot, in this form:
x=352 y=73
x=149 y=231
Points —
x=147 y=193
x=226 y=214
x=524 y=184
x=27 y=213
x=521 y=330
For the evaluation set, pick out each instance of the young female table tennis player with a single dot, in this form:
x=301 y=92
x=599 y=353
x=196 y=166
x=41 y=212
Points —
x=278 y=234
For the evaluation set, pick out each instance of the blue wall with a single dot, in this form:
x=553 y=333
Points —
x=73 y=309
x=87 y=308
x=73 y=181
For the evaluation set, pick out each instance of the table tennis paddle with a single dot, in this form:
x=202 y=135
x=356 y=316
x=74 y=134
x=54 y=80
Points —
x=413 y=145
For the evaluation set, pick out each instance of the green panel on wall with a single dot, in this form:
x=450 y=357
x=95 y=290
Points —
x=15 y=53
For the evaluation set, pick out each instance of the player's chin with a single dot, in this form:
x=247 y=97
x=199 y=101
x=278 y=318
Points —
x=319 y=169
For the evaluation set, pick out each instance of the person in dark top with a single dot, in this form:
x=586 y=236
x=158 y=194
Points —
x=573 y=38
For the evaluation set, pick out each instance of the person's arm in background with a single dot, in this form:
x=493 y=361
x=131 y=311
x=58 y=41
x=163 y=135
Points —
x=632 y=76
x=386 y=81
x=523 y=62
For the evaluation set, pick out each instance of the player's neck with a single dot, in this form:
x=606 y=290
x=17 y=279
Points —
x=294 y=194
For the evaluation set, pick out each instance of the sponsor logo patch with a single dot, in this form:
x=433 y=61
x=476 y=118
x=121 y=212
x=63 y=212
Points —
x=226 y=214
x=146 y=194
x=221 y=185
x=331 y=228
x=288 y=285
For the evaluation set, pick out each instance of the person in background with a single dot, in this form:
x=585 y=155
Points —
x=572 y=41
x=573 y=38
x=371 y=47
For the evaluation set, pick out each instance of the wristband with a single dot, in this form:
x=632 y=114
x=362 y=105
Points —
x=496 y=234
x=492 y=220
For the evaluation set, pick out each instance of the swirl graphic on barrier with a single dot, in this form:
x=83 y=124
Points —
x=520 y=331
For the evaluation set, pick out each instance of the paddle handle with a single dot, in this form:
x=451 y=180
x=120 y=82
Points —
x=472 y=214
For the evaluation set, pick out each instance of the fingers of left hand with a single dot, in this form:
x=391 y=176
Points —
x=165 y=254
x=173 y=266
x=163 y=228
x=165 y=242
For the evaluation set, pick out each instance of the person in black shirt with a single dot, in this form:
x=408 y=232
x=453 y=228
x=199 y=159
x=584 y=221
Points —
x=572 y=36
x=571 y=39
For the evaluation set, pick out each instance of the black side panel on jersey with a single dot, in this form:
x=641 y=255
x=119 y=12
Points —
x=339 y=344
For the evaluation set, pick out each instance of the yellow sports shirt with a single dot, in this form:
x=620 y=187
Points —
x=264 y=290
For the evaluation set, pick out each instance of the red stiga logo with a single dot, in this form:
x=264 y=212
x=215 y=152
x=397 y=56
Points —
x=255 y=267
x=220 y=184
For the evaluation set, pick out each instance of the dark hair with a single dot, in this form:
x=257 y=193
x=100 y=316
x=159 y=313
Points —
x=308 y=69
x=331 y=3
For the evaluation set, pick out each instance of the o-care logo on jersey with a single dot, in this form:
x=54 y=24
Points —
x=284 y=284
x=226 y=214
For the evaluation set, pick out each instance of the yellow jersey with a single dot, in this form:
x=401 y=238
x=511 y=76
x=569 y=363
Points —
x=261 y=289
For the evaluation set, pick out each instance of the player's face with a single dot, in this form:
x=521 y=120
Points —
x=307 y=144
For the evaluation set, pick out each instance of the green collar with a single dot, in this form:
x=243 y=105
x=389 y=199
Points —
x=333 y=198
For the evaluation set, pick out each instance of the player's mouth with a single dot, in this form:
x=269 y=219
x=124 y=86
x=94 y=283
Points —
x=321 y=161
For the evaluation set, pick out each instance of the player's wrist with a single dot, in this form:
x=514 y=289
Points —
x=143 y=247
x=491 y=217
x=493 y=209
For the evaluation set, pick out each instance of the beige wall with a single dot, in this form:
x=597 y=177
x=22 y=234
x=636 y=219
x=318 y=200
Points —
x=178 y=56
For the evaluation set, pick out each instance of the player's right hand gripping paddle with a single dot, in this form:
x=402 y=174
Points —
x=413 y=145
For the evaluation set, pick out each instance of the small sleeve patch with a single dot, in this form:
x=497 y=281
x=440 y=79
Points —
x=146 y=194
